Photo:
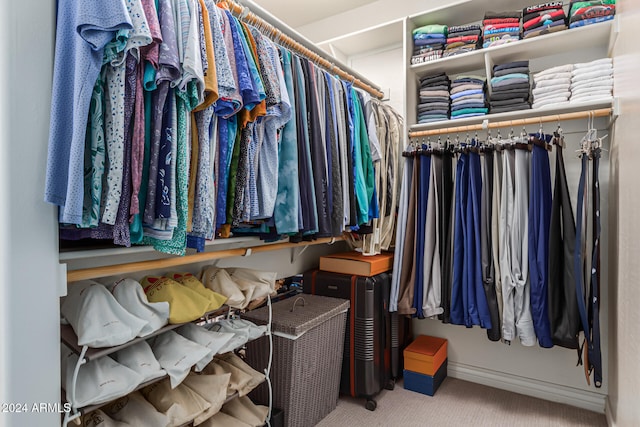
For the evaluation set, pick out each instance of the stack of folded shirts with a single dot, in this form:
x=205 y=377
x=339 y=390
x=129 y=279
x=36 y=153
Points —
x=462 y=39
x=434 y=98
x=583 y=13
x=510 y=87
x=592 y=81
x=543 y=19
x=501 y=28
x=428 y=43
x=551 y=87
x=467 y=97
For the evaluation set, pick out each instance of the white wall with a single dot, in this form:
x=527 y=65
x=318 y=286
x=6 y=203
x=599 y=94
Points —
x=624 y=388
x=29 y=340
x=384 y=68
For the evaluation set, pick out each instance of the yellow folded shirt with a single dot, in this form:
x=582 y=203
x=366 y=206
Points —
x=185 y=304
x=190 y=281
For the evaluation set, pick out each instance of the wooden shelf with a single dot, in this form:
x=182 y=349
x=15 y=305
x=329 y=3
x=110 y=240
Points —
x=513 y=115
x=596 y=35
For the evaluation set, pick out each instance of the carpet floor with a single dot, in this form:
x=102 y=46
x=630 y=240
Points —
x=458 y=403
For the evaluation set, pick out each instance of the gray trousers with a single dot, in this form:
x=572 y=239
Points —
x=516 y=307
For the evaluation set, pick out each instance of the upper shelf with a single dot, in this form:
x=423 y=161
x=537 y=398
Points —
x=366 y=40
x=596 y=35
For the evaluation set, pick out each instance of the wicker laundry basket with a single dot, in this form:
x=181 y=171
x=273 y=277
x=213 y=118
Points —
x=308 y=341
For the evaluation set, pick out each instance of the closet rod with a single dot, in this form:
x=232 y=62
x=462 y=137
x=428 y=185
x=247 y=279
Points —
x=286 y=36
x=134 y=267
x=603 y=112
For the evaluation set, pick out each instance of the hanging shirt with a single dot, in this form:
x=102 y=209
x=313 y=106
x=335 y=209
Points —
x=192 y=71
x=209 y=69
x=83 y=30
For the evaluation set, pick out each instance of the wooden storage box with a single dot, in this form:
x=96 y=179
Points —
x=425 y=355
x=354 y=263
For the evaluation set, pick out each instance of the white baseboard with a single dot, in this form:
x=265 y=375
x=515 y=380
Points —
x=608 y=413
x=529 y=387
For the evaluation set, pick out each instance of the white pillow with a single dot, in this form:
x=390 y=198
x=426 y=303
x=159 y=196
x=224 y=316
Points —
x=177 y=355
x=98 y=418
x=98 y=381
x=97 y=318
x=212 y=388
x=246 y=411
x=235 y=342
x=218 y=280
x=136 y=411
x=223 y=420
x=242 y=327
x=264 y=281
x=212 y=340
x=180 y=404
x=139 y=357
x=131 y=296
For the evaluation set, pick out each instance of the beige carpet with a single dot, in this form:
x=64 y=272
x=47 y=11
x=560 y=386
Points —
x=458 y=403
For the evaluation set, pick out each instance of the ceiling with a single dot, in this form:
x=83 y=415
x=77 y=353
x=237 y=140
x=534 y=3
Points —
x=297 y=13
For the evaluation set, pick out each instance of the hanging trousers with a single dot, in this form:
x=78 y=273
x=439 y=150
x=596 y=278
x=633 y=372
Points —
x=431 y=300
x=477 y=307
x=423 y=194
x=488 y=270
x=407 y=279
x=517 y=319
x=563 y=304
x=457 y=314
x=539 y=220
x=401 y=233
x=589 y=309
x=445 y=228
x=496 y=244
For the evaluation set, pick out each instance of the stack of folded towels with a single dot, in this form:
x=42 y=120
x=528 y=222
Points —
x=551 y=87
x=462 y=39
x=583 y=13
x=501 y=28
x=592 y=81
x=467 y=97
x=543 y=19
x=428 y=43
x=510 y=87
x=434 y=99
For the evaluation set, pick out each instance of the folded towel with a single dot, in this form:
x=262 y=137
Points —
x=602 y=61
x=551 y=102
x=550 y=89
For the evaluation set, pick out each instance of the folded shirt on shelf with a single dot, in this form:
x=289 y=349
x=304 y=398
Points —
x=567 y=68
x=584 y=10
x=596 y=62
x=464 y=116
x=470 y=104
x=503 y=15
x=538 y=91
x=594 y=83
x=566 y=94
x=458 y=101
x=426 y=58
x=469 y=110
x=513 y=86
x=498 y=41
x=466 y=86
x=509 y=108
x=459 y=50
x=510 y=101
x=431 y=29
x=432 y=119
x=558 y=79
x=545 y=29
x=432 y=93
x=516 y=70
x=551 y=102
x=544 y=19
x=501 y=96
x=591 y=21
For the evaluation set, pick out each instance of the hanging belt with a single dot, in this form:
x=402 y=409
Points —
x=591 y=327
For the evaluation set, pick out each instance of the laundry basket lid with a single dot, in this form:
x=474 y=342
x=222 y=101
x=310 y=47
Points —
x=299 y=314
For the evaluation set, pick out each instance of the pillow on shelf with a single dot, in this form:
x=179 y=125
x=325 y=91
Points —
x=190 y=281
x=177 y=355
x=246 y=411
x=242 y=327
x=180 y=404
x=212 y=340
x=256 y=377
x=212 y=388
x=97 y=318
x=264 y=281
x=239 y=380
x=219 y=280
x=98 y=381
x=234 y=343
x=130 y=295
x=185 y=305
x=98 y=418
x=223 y=420
x=139 y=357
x=134 y=410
